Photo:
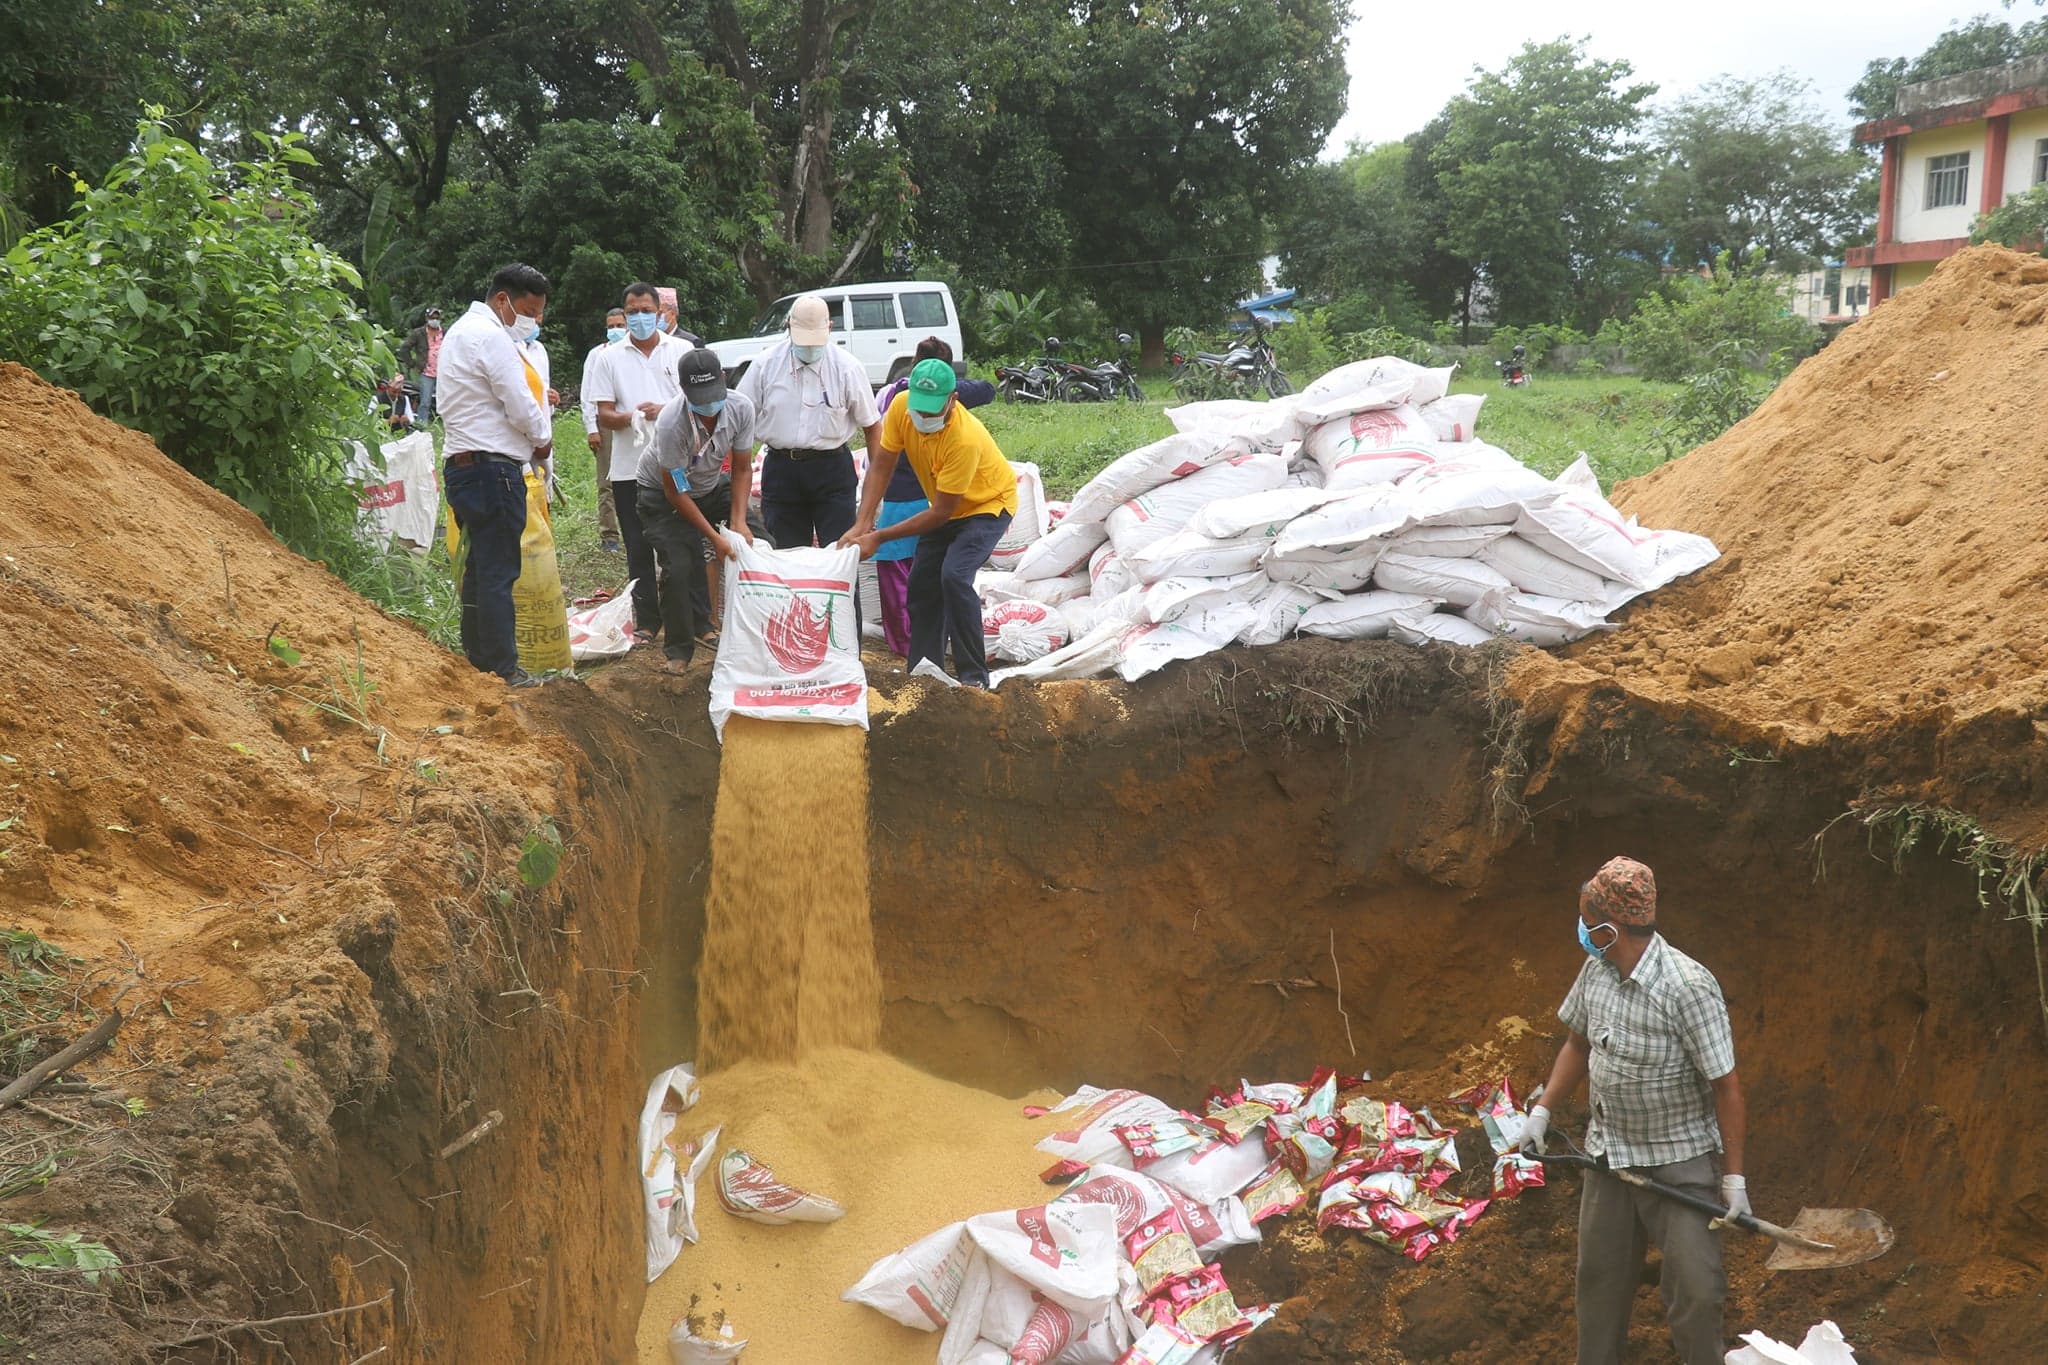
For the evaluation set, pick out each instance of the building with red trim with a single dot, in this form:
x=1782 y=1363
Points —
x=1955 y=149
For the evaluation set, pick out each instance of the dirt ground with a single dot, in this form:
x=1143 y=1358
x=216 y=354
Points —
x=302 y=893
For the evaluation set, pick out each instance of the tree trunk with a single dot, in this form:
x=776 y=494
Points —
x=1152 y=347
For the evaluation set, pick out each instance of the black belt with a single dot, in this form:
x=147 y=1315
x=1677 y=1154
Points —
x=463 y=459
x=809 y=454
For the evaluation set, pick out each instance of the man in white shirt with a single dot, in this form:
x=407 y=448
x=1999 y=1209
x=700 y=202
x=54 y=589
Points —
x=493 y=424
x=809 y=398
x=600 y=439
x=637 y=378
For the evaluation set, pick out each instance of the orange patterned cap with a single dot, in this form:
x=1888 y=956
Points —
x=1623 y=891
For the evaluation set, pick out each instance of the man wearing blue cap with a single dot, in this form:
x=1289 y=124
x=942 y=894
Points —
x=973 y=492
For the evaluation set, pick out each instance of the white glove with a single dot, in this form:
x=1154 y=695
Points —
x=1735 y=1194
x=1536 y=1133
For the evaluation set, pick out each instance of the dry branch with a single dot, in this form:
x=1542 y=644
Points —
x=25 y=1084
x=219 y=1332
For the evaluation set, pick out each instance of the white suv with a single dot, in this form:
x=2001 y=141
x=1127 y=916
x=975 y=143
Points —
x=881 y=324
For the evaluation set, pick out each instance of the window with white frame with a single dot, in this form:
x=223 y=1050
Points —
x=2040 y=159
x=1948 y=180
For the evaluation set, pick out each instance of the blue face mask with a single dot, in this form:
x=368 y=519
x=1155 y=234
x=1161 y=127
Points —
x=806 y=355
x=614 y=334
x=642 y=325
x=707 y=409
x=1586 y=940
x=524 y=329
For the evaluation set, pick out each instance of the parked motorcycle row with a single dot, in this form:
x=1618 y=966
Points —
x=1049 y=379
x=1244 y=370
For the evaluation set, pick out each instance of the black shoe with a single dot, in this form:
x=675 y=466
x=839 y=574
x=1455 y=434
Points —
x=519 y=677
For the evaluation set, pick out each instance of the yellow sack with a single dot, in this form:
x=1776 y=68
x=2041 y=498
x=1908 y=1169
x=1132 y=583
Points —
x=540 y=612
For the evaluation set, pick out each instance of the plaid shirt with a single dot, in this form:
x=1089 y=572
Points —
x=1658 y=1038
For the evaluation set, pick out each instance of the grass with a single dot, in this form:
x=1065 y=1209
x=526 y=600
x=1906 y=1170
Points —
x=1612 y=418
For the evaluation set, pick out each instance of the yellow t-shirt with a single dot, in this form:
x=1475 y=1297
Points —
x=961 y=459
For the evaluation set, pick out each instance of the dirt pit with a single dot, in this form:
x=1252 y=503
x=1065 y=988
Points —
x=1163 y=887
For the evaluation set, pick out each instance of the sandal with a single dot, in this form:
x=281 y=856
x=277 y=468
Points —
x=708 y=640
x=642 y=637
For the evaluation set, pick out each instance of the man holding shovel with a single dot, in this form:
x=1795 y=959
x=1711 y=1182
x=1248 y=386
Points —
x=1649 y=1026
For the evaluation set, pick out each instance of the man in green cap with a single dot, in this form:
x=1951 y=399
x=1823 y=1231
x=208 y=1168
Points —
x=973 y=492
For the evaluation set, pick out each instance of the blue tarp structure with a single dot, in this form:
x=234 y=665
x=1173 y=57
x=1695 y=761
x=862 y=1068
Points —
x=1267 y=308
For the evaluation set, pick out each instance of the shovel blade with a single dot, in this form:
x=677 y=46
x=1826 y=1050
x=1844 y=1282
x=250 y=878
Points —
x=1855 y=1236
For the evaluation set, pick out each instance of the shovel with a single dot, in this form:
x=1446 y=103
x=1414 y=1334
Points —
x=1819 y=1239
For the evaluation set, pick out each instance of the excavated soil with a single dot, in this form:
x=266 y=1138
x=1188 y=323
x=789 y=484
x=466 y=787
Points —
x=1248 y=865
x=1884 y=557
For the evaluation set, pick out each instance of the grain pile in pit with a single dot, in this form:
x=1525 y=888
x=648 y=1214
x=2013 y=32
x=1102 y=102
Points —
x=1884 y=563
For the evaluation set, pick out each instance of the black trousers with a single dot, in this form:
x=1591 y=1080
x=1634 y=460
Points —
x=809 y=499
x=679 y=550
x=943 y=603
x=487 y=498
x=639 y=556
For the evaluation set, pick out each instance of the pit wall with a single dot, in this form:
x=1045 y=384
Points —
x=1165 y=885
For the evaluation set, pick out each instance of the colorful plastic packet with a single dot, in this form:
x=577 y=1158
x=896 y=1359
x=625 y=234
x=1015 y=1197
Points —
x=1160 y=1249
x=1377 y=1121
x=1163 y=1343
x=749 y=1190
x=1150 y=1139
x=1199 y=1302
x=1513 y=1173
x=1239 y=1121
x=1274 y=1193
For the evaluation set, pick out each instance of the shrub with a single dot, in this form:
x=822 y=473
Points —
x=190 y=301
x=1692 y=327
x=1717 y=396
x=2021 y=221
x=1538 y=341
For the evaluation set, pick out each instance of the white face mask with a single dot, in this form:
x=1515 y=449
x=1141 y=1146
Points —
x=806 y=355
x=930 y=423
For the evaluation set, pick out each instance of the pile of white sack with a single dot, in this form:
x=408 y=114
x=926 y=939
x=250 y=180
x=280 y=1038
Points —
x=1362 y=507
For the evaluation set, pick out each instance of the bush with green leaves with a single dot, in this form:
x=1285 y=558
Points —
x=1691 y=326
x=1717 y=396
x=189 y=300
x=2021 y=221
x=1536 y=341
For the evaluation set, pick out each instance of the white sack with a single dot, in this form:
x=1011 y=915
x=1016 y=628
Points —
x=604 y=631
x=1203 y=627
x=919 y=1285
x=668 y=1191
x=870 y=587
x=1168 y=508
x=1475 y=490
x=1583 y=528
x=1446 y=542
x=998 y=585
x=1671 y=555
x=1454 y=416
x=1823 y=1344
x=1378 y=446
x=1424 y=385
x=1440 y=628
x=1080 y=614
x=403 y=499
x=1144 y=469
x=1067 y=1252
x=1312 y=412
x=1022 y=631
x=1364 y=616
x=1166 y=598
x=1065 y=549
x=788 y=650
x=1534 y=619
x=687 y=1348
x=1368 y=514
x=1053 y=591
x=1137 y=1198
x=1189 y=553
x=1260 y=424
x=1108 y=575
x=1460 y=582
x=1279 y=607
x=1531 y=568
x=1261 y=515
x=1213 y=1173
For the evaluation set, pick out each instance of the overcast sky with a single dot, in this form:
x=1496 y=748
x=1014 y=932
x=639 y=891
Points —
x=1406 y=61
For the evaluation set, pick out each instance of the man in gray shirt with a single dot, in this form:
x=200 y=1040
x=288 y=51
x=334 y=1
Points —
x=683 y=491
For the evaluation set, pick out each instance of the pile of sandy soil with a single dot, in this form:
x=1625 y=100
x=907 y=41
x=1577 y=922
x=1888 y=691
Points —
x=1879 y=517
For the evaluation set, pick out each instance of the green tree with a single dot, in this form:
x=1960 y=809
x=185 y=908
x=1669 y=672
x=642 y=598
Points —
x=188 y=300
x=1693 y=325
x=1182 y=127
x=1352 y=227
x=2021 y=221
x=1535 y=165
x=1747 y=166
x=1971 y=46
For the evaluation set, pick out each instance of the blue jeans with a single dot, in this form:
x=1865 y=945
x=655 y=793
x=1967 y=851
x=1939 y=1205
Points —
x=488 y=499
x=426 y=412
x=943 y=603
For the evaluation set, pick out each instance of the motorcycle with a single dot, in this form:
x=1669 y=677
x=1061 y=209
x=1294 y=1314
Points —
x=1041 y=381
x=1119 y=378
x=1514 y=371
x=1242 y=370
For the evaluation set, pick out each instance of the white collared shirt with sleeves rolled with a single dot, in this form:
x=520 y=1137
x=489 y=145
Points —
x=482 y=394
x=626 y=378
x=1660 y=1038
x=591 y=362
x=808 y=407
